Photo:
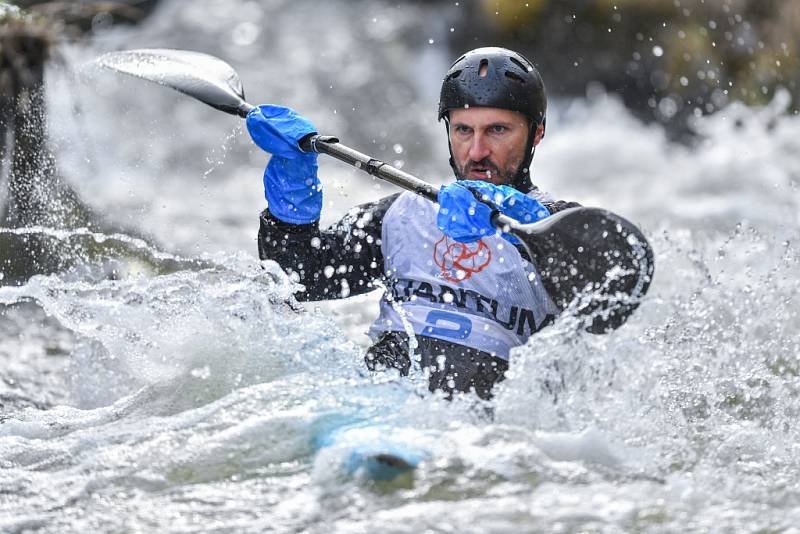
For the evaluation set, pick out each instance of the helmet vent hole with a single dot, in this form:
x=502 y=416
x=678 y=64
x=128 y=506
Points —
x=514 y=76
x=483 y=68
x=453 y=75
x=520 y=64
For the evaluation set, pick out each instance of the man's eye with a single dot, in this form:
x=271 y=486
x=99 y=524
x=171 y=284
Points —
x=498 y=128
x=463 y=129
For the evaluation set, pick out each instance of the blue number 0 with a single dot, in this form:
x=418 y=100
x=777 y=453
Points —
x=460 y=327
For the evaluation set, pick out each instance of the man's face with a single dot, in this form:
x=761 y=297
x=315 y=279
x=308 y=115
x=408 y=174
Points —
x=489 y=143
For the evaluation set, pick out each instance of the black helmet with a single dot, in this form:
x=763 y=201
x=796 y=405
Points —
x=497 y=78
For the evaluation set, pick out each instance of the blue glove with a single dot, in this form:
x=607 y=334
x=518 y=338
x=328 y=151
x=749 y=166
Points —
x=291 y=185
x=466 y=219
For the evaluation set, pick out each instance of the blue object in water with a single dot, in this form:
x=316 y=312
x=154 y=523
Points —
x=382 y=461
x=370 y=449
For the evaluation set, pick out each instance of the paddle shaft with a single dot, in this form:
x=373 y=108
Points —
x=571 y=257
x=574 y=249
x=331 y=146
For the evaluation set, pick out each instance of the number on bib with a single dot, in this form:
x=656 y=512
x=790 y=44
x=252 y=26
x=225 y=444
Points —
x=448 y=325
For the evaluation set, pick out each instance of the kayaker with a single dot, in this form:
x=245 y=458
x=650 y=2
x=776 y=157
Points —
x=470 y=293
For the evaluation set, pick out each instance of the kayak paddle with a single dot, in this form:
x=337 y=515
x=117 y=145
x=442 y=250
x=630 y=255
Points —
x=575 y=250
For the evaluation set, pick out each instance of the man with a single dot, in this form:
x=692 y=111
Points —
x=468 y=292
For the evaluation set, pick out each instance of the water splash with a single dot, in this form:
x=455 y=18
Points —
x=685 y=416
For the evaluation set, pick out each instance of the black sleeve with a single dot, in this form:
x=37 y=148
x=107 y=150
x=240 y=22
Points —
x=339 y=262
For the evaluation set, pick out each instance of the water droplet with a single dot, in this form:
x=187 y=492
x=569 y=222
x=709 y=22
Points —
x=201 y=372
x=245 y=34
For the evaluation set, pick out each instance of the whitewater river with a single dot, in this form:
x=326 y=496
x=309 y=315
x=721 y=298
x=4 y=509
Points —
x=189 y=401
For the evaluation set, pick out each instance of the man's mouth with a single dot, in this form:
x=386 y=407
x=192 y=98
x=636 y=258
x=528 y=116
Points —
x=480 y=174
x=481 y=171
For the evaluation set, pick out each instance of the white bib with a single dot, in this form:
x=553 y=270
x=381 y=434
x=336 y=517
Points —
x=483 y=295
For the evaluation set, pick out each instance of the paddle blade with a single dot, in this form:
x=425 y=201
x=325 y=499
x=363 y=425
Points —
x=204 y=77
x=594 y=252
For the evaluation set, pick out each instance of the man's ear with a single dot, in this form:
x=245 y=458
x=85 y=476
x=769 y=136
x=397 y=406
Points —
x=537 y=137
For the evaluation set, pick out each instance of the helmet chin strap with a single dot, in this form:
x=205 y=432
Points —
x=522 y=178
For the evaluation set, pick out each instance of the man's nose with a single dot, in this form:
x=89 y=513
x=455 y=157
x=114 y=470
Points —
x=478 y=148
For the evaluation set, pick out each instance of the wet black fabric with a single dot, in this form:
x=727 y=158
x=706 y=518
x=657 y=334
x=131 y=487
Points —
x=346 y=259
x=452 y=367
x=341 y=261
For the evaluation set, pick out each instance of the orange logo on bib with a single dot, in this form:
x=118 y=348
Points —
x=459 y=261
